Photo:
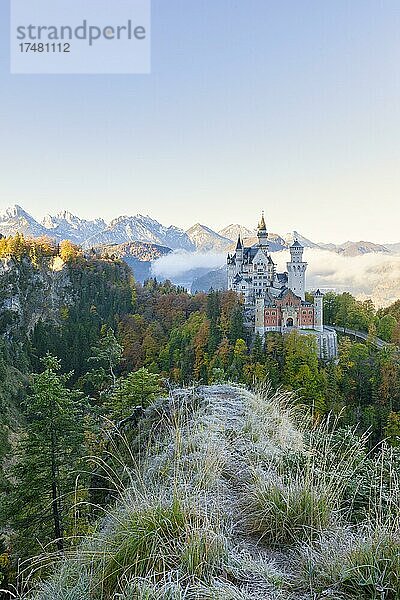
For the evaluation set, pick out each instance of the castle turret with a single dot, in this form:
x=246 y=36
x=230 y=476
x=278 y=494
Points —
x=231 y=270
x=259 y=316
x=297 y=270
x=319 y=310
x=262 y=233
x=239 y=255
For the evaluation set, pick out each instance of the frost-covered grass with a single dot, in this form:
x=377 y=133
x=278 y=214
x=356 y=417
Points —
x=286 y=513
x=350 y=564
x=234 y=495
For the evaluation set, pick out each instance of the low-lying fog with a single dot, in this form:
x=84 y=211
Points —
x=375 y=276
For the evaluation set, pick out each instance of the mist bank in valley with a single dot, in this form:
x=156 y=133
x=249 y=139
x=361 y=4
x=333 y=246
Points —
x=179 y=264
x=373 y=275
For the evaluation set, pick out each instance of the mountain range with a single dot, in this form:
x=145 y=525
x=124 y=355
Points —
x=65 y=225
x=139 y=228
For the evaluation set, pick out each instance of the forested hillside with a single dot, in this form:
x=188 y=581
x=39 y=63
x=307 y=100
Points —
x=85 y=353
x=139 y=256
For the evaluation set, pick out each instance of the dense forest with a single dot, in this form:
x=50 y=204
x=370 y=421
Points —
x=84 y=351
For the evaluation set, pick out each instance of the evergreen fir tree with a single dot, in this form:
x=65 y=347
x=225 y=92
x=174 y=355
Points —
x=48 y=458
x=107 y=353
x=257 y=351
x=137 y=389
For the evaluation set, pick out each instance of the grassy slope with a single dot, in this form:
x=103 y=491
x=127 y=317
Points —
x=229 y=500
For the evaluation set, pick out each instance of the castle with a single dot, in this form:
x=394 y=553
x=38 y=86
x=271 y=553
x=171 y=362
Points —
x=276 y=301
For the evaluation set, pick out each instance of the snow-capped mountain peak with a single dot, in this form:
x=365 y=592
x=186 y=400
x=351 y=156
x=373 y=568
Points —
x=68 y=217
x=65 y=225
x=14 y=212
x=295 y=235
x=234 y=230
x=142 y=229
x=15 y=218
x=205 y=239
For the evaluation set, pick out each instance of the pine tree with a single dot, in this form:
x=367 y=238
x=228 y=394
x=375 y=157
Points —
x=257 y=351
x=236 y=329
x=49 y=455
x=107 y=353
x=213 y=314
x=140 y=388
x=240 y=355
x=69 y=251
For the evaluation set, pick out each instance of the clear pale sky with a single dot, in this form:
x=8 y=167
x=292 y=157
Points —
x=288 y=105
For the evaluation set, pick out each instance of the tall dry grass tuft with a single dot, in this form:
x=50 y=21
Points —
x=361 y=561
x=154 y=541
x=362 y=564
x=297 y=491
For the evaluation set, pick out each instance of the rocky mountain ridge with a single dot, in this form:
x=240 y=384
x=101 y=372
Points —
x=143 y=229
x=65 y=225
x=140 y=228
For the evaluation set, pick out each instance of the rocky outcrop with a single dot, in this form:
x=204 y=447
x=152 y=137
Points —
x=30 y=293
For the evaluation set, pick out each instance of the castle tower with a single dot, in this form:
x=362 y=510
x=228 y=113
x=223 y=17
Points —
x=259 y=316
x=239 y=256
x=262 y=233
x=319 y=310
x=231 y=270
x=297 y=270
